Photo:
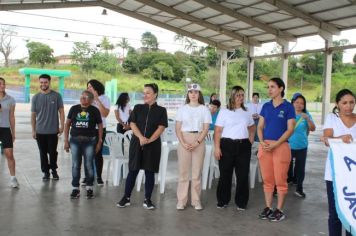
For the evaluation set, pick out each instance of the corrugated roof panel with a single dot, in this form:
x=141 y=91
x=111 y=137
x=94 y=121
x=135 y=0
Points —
x=232 y=44
x=221 y=37
x=251 y=31
x=131 y=5
x=274 y=16
x=188 y=6
x=289 y=23
x=193 y=27
x=349 y=22
x=205 y=13
x=237 y=25
x=206 y=33
x=114 y=2
x=169 y=2
x=322 y=5
x=178 y=22
x=149 y=10
x=221 y=19
x=306 y=30
x=265 y=37
x=261 y=8
x=294 y=2
x=333 y=14
x=161 y=18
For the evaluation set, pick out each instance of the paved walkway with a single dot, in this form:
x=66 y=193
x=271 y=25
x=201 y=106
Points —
x=44 y=208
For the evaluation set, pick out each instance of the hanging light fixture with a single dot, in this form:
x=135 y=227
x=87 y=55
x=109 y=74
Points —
x=66 y=35
x=104 y=12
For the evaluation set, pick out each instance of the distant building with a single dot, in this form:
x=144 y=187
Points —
x=64 y=60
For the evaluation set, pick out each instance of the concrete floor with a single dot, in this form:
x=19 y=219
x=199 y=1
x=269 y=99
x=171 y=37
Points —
x=44 y=208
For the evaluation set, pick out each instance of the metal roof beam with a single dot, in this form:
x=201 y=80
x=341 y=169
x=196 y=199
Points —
x=163 y=25
x=330 y=28
x=50 y=5
x=246 y=19
x=199 y=21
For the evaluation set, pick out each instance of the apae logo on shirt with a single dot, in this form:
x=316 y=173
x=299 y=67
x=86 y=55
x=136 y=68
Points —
x=82 y=120
x=281 y=114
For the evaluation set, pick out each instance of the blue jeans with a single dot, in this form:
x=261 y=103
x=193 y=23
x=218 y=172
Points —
x=82 y=146
x=334 y=223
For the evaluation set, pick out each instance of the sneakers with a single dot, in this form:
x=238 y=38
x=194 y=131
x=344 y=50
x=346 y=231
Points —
x=46 y=176
x=84 y=182
x=75 y=194
x=277 y=215
x=55 y=175
x=100 y=181
x=221 y=205
x=124 y=202
x=264 y=215
x=300 y=194
x=240 y=209
x=198 y=206
x=147 y=204
x=90 y=194
x=14 y=183
x=180 y=206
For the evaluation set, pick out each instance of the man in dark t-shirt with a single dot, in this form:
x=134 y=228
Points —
x=82 y=120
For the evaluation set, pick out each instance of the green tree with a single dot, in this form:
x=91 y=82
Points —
x=338 y=55
x=149 y=41
x=163 y=71
x=131 y=63
x=40 y=53
x=211 y=56
x=105 y=62
x=82 y=54
x=106 y=45
x=124 y=44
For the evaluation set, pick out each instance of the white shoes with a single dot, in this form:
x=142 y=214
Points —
x=198 y=206
x=180 y=206
x=14 y=183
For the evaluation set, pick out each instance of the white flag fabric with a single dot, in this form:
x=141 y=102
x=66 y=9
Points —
x=343 y=164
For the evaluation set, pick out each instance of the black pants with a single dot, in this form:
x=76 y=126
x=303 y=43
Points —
x=296 y=172
x=131 y=180
x=99 y=161
x=236 y=154
x=47 y=145
x=334 y=223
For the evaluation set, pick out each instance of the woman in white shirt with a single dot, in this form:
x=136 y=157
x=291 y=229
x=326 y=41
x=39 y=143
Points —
x=233 y=138
x=122 y=112
x=192 y=125
x=102 y=102
x=339 y=124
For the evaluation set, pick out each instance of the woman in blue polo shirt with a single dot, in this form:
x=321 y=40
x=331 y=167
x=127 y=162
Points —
x=276 y=125
x=299 y=143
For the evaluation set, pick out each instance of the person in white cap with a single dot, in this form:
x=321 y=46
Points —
x=192 y=125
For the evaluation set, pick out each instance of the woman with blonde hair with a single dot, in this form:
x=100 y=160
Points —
x=233 y=138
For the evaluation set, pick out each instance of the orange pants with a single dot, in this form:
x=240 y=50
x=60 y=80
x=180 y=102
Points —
x=274 y=167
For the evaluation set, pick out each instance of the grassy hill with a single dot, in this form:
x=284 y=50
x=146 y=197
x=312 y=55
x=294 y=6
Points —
x=311 y=86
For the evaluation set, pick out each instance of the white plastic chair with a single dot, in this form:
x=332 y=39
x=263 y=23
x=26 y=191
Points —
x=254 y=166
x=209 y=150
x=114 y=142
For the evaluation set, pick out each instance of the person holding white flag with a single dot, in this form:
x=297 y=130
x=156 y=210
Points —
x=341 y=124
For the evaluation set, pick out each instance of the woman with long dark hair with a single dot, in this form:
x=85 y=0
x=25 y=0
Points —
x=147 y=122
x=233 y=138
x=299 y=143
x=122 y=113
x=341 y=124
x=275 y=126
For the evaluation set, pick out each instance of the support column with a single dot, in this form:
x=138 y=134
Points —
x=250 y=72
x=61 y=86
x=284 y=74
x=327 y=77
x=223 y=76
x=27 y=88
